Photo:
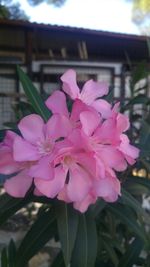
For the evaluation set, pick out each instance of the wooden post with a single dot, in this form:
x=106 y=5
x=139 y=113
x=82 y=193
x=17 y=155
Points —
x=28 y=51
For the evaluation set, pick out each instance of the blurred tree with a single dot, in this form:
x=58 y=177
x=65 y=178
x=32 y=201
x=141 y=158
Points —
x=141 y=15
x=12 y=10
x=57 y=3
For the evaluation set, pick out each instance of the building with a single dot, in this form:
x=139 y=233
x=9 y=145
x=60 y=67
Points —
x=46 y=51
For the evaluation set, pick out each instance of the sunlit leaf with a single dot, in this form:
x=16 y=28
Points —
x=33 y=95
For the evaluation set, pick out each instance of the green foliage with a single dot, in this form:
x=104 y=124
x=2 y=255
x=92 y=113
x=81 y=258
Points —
x=8 y=255
x=39 y=234
x=10 y=205
x=85 y=249
x=67 y=221
x=11 y=10
x=33 y=95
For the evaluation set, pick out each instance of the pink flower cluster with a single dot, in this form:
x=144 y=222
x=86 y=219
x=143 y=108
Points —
x=75 y=155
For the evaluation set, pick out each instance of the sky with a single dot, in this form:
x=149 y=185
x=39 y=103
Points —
x=107 y=15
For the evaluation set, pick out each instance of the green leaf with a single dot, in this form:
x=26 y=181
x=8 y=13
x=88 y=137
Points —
x=131 y=255
x=85 y=250
x=110 y=251
x=39 y=234
x=145 y=132
x=128 y=199
x=2 y=134
x=4 y=260
x=110 y=96
x=146 y=164
x=143 y=181
x=33 y=95
x=122 y=213
x=67 y=221
x=145 y=139
x=10 y=205
x=58 y=261
x=140 y=99
x=139 y=73
x=136 y=189
x=98 y=207
x=12 y=254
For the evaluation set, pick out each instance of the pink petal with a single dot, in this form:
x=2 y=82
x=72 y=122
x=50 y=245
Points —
x=57 y=103
x=107 y=133
x=128 y=149
x=92 y=90
x=83 y=205
x=43 y=169
x=32 y=128
x=24 y=151
x=79 y=184
x=18 y=185
x=63 y=195
x=37 y=193
x=9 y=138
x=108 y=188
x=58 y=126
x=122 y=123
x=78 y=139
x=87 y=161
x=112 y=157
x=70 y=86
x=103 y=107
x=7 y=163
x=89 y=121
x=100 y=167
x=52 y=187
x=77 y=108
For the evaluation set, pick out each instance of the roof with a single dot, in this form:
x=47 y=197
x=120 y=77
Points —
x=31 y=25
x=101 y=44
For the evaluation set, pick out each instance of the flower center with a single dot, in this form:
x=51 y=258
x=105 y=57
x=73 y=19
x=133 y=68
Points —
x=44 y=147
x=68 y=160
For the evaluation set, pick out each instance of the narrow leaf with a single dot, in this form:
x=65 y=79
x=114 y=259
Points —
x=10 y=205
x=11 y=253
x=4 y=260
x=128 y=199
x=39 y=234
x=67 y=221
x=85 y=250
x=143 y=181
x=58 y=261
x=33 y=95
x=140 y=99
x=131 y=255
x=110 y=251
x=122 y=213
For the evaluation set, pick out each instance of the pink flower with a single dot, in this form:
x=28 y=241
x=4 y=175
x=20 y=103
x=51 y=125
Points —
x=89 y=94
x=20 y=182
x=7 y=163
x=76 y=154
x=33 y=151
x=74 y=170
x=57 y=104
